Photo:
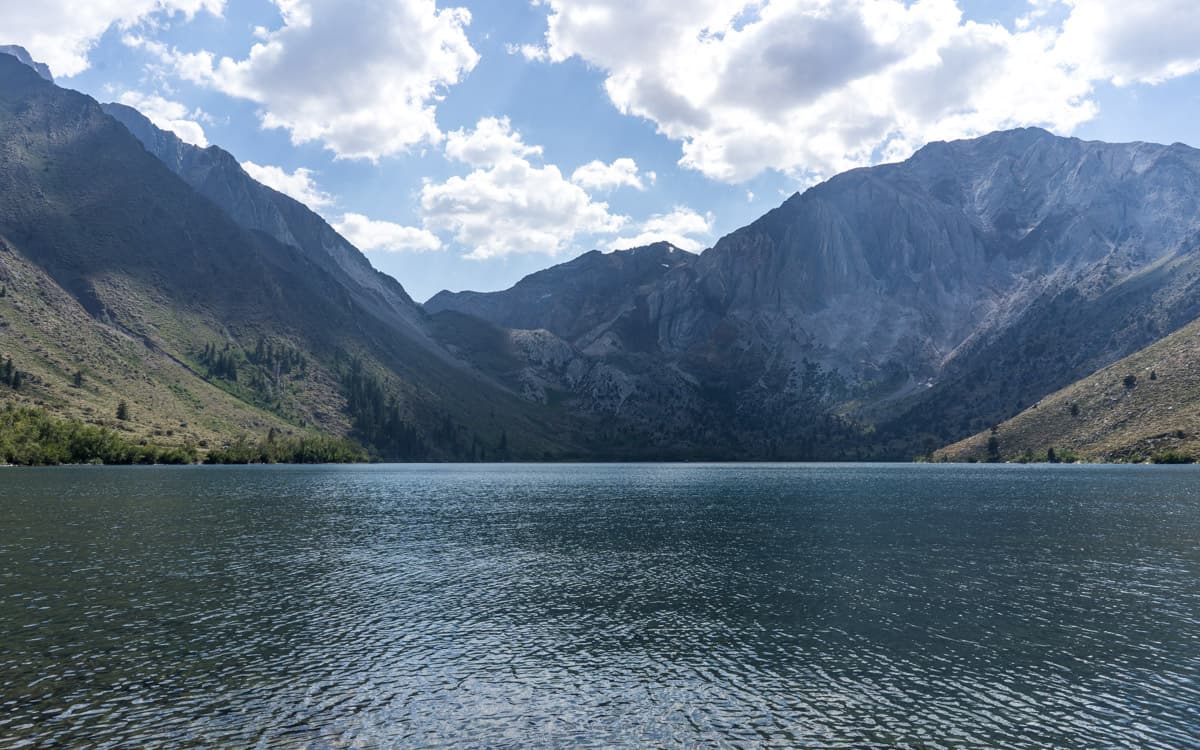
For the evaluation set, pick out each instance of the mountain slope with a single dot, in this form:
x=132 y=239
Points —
x=587 y=334
x=1145 y=405
x=217 y=175
x=274 y=326
x=909 y=265
x=24 y=57
x=81 y=368
x=596 y=291
x=928 y=298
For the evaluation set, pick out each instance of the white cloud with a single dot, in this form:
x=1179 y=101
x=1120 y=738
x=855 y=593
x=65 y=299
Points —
x=492 y=141
x=61 y=33
x=506 y=204
x=1038 y=10
x=680 y=228
x=1147 y=41
x=363 y=77
x=169 y=115
x=623 y=172
x=298 y=184
x=370 y=235
x=813 y=87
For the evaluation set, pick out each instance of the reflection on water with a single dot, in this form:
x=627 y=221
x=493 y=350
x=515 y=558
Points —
x=681 y=605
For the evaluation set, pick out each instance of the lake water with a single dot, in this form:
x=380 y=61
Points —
x=600 y=606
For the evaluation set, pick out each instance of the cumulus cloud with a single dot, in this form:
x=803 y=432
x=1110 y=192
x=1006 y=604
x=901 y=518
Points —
x=623 y=172
x=384 y=236
x=813 y=87
x=507 y=204
x=298 y=184
x=492 y=141
x=169 y=115
x=680 y=227
x=1148 y=41
x=61 y=33
x=363 y=77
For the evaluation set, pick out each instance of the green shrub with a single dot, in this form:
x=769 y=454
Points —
x=31 y=437
x=1173 y=457
x=304 y=449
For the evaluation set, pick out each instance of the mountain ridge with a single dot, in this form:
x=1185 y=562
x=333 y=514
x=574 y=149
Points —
x=903 y=282
x=219 y=176
x=22 y=54
x=884 y=310
x=115 y=234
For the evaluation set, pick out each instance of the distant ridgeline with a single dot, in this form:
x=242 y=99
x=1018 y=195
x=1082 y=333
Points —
x=970 y=303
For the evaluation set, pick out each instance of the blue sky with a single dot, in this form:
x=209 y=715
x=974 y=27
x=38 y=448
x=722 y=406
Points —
x=447 y=139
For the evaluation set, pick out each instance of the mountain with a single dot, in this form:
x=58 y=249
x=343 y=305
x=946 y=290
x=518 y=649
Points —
x=123 y=282
x=880 y=314
x=217 y=175
x=1143 y=407
x=23 y=55
x=913 y=303
x=595 y=292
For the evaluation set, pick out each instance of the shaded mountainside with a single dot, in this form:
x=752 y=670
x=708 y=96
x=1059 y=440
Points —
x=114 y=267
x=23 y=55
x=1143 y=407
x=914 y=303
x=591 y=344
x=217 y=175
x=592 y=294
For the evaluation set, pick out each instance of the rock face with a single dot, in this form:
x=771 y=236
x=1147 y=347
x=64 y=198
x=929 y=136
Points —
x=904 y=264
x=23 y=55
x=930 y=297
x=581 y=300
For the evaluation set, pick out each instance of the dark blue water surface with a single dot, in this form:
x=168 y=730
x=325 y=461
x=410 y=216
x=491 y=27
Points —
x=600 y=606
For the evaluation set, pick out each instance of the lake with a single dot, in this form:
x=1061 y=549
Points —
x=600 y=606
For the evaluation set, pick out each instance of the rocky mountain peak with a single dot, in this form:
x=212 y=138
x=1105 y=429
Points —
x=23 y=55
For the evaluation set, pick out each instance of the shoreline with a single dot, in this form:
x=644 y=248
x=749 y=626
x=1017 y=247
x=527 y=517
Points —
x=582 y=462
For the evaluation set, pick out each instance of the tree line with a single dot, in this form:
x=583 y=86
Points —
x=10 y=375
x=377 y=417
x=31 y=437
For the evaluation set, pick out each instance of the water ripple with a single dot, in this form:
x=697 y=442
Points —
x=600 y=606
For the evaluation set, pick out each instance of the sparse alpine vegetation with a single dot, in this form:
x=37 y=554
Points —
x=1145 y=407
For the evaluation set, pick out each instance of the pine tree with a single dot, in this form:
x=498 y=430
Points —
x=122 y=411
